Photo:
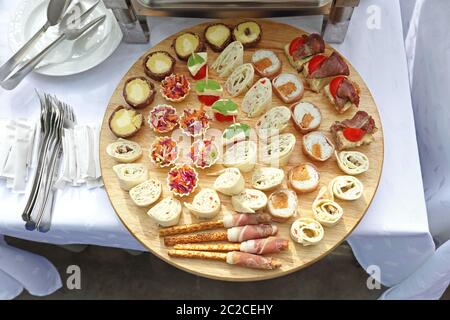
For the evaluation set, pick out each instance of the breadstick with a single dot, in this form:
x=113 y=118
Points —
x=188 y=228
x=198 y=237
x=224 y=247
x=198 y=255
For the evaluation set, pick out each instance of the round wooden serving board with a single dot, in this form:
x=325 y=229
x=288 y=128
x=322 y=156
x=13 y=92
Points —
x=275 y=36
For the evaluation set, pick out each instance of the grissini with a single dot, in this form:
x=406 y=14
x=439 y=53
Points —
x=228 y=221
x=235 y=234
x=243 y=259
x=256 y=246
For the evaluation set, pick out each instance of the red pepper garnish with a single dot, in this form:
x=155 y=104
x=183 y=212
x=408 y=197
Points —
x=316 y=62
x=334 y=85
x=201 y=74
x=222 y=118
x=353 y=134
x=295 y=44
x=208 y=100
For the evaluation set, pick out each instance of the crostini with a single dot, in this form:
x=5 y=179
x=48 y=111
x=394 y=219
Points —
x=266 y=63
x=342 y=93
x=288 y=87
x=320 y=70
x=317 y=146
x=301 y=49
x=354 y=132
x=306 y=116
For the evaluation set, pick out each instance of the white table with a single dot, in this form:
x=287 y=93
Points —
x=394 y=233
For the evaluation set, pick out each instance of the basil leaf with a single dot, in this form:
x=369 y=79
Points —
x=224 y=106
x=195 y=59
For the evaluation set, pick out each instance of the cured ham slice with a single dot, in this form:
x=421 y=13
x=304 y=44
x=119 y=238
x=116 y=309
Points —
x=235 y=234
x=239 y=234
x=242 y=259
x=257 y=246
x=334 y=65
x=253 y=261
x=229 y=221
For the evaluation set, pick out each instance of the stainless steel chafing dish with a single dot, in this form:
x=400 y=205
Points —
x=132 y=14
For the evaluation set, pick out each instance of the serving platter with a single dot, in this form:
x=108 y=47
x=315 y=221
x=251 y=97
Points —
x=274 y=37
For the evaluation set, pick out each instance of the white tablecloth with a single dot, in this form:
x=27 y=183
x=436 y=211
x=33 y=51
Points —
x=394 y=233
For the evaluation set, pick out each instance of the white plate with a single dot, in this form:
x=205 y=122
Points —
x=70 y=57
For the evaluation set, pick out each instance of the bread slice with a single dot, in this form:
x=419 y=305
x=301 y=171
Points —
x=298 y=65
x=343 y=144
x=307 y=117
x=288 y=87
x=282 y=204
x=304 y=178
x=258 y=99
x=266 y=63
x=166 y=213
x=317 y=146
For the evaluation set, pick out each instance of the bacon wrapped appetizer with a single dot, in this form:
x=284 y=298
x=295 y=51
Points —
x=175 y=88
x=194 y=122
x=342 y=93
x=228 y=221
x=164 y=152
x=256 y=246
x=163 y=118
x=235 y=234
x=182 y=180
x=242 y=259
x=301 y=49
x=204 y=153
x=320 y=70
x=354 y=132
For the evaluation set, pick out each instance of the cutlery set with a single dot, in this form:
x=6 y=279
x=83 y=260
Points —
x=54 y=118
x=70 y=16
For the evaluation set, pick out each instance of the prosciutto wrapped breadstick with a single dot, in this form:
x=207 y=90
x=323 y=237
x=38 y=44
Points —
x=256 y=246
x=235 y=234
x=242 y=259
x=229 y=221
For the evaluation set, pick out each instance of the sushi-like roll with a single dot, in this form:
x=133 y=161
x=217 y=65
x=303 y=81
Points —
x=282 y=204
x=288 y=87
x=266 y=63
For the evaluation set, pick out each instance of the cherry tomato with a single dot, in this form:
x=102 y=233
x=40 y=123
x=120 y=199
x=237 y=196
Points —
x=201 y=74
x=334 y=85
x=295 y=44
x=316 y=62
x=353 y=134
x=208 y=100
x=221 y=118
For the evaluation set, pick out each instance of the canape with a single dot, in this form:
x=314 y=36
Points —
x=182 y=180
x=288 y=87
x=266 y=63
x=175 y=88
x=158 y=65
x=342 y=93
x=317 y=146
x=306 y=116
x=163 y=118
x=208 y=91
x=225 y=110
x=235 y=133
x=204 y=153
x=301 y=49
x=354 y=132
x=187 y=43
x=249 y=33
x=164 y=151
x=304 y=178
x=217 y=36
x=138 y=92
x=198 y=65
x=194 y=122
x=125 y=122
x=124 y=151
x=282 y=204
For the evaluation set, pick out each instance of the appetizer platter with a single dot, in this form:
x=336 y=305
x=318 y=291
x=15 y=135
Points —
x=241 y=150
